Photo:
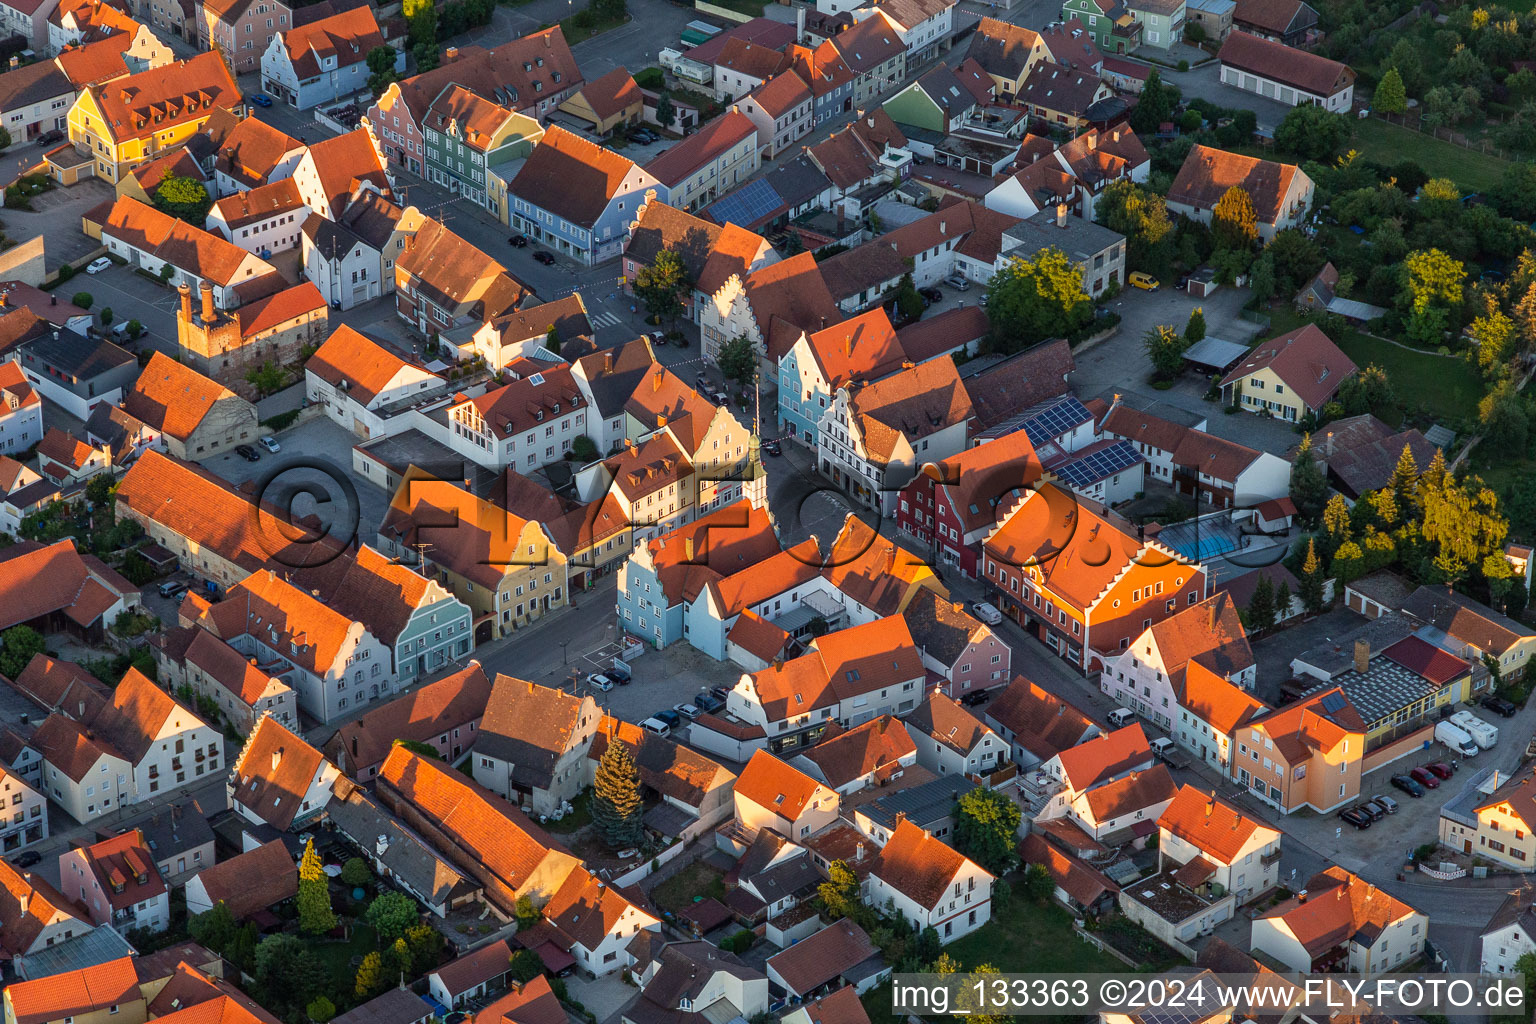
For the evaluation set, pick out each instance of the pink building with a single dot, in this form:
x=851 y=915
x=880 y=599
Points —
x=243 y=29
x=961 y=652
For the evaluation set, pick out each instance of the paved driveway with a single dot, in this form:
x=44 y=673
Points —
x=1205 y=82
x=132 y=296
x=56 y=216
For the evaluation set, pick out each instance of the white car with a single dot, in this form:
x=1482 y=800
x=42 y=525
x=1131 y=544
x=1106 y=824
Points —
x=270 y=444
x=98 y=265
x=986 y=613
x=600 y=682
x=688 y=711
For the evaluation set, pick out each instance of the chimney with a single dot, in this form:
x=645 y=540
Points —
x=277 y=755
x=1328 y=444
x=687 y=549
x=735 y=109
x=1210 y=806
x=1115 y=135
x=858 y=854
x=608 y=361
x=186 y=301
x=451 y=54
x=661 y=420
x=26 y=897
x=1211 y=625
x=15 y=60
x=207 y=302
x=1362 y=655
x=1061 y=215
x=656 y=379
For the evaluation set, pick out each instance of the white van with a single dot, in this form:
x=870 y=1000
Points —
x=1121 y=717
x=987 y=613
x=656 y=726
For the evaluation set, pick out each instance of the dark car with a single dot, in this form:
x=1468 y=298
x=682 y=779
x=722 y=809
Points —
x=1425 y=778
x=548 y=259
x=1500 y=706
x=622 y=675
x=1367 y=807
x=518 y=241
x=706 y=702
x=49 y=138
x=976 y=697
x=248 y=453
x=643 y=136
x=1356 y=817
x=672 y=718
x=1385 y=803
x=931 y=295
x=171 y=588
x=27 y=858
x=260 y=99
x=719 y=691
x=1408 y=785
x=772 y=447
x=1440 y=768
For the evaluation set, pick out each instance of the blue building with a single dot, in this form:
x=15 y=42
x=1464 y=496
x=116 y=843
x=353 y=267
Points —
x=576 y=197
x=323 y=61
x=861 y=348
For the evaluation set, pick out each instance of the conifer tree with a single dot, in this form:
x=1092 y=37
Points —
x=1282 y=601
x=1312 y=579
x=616 y=806
x=1309 y=489
x=370 y=975
x=1261 y=610
x=1194 y=331
x=315 y=914
x=1336 y=522
x=1405 y=478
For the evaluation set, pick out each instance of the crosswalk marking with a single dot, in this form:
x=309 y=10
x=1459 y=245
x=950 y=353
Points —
x=604 y=319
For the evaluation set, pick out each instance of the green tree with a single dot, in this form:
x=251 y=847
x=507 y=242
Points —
x=1348 y=563
x=212 y=928
x=183 y=197
x=1313 y=133
x=1502 y=415
x=1495 y=334
x=527 y=914
x=1036 y=884
x=967 y=1000
x=370 y=976
x=315 y=915
x=1261 y=608
x=1283 y=600
x=18 y=645
x=985 y=825
x=525 y=965
x=1165 y=350
x=135 y=329
x=418 y=748
x=662 y=286
x=1390 y=96
x=584 y=449
x=1405 y=60
x=1194 y=331
x=355 y=872
x=1141 y=215
x=426 y=945
x=1336 y=522
x=320 y=1010
x=421 y=17
x=552 y=339
x=1370 y=390
x=1154 y=105
x=83 y=299
x=1431 y=279
x=1312 y=580
x=616 y=804
x=1234 y=224
x=399 y=959
x=392 y=914
x=909 y=302
x=1440 y=190
x=666 y=112
x=381 y=65
x=106 y=316
x=839 y=894
x=1309 y=488
x=737 y=360
x=5 y=139
x=266 y=378
x=1405 y=478
x=287 y=969
x=1031 y=300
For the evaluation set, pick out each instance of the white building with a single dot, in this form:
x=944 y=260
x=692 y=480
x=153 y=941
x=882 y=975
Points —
x=1343 y=923
x=264 y=220
x=775 y=795
x=1243 y=855
x=24 y=819
x=21 y=411
x=912 y=867
x=1509 y=934
x=357 y=381
x=1148 y=676
x=278 y=779
x=118 y=883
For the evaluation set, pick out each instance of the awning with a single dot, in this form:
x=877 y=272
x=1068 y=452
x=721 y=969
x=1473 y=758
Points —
x=555 y=959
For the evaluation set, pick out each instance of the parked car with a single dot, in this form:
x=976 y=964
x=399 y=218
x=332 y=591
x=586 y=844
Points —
x=1356 y=817
x=772 y=447
x=1369 y=808
x=1501 y=707
x=706 y=702
x=1144 y=281
x=603 y=681
x=1408 y=785
x=261 y=99
x=247 y=453
x=958 y=282
x=1440 y=768
x=27 y=858
x=621 y=675
x=518 y=241
x=172 y=588
x=986 y=613
x=1425 y=778
x=656 y=726
x=719 y=691
x=1386 y=803
x=688 y=711
x=931 y=295
x=672 y=718
x=270 y=444
x=644 y=136
x=548 y=259
x=97 y=265
x=48 y=138
x=976 y=697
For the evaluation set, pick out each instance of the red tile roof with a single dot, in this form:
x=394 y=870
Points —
x=422 y=715
x=1072 y=876
x=28 y=904
x=1091 y=763
x=814 y=961
x=253 y=881
x=39 y=580
x=917 y=865
x=125 y=869
x=878 y=746
x=1308 y=72
x=1212 y=826
x=778 y=787
x=348 y=37
x=1138 y=791
x=173 y=397
x=1424 y=658
x=862 y=348
x=273 y=772
x=1338 y=908
x=570 y=176
x=363 y=364
x=1216 y=700
x=1306 y=359
x=1207 y=174
x=159 y=99
x=73 y=993
x=706 y=144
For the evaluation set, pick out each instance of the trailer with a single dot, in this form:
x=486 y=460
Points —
x=1484 y=734
x=1455 y=737
x=686 y=68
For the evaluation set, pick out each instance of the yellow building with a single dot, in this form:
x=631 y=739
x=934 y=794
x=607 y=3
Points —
x=128 y=121
x=1007 y=53
x=1499 y=825
x=1288 y=376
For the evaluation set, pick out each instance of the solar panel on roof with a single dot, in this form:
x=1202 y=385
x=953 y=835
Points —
x=1333 y=702
x=1054 y=418
x=1095 y=466
x=747 y=205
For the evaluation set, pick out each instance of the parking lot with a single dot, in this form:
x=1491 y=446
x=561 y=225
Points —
x=131 y=296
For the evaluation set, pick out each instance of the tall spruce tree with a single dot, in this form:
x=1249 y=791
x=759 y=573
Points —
x=315 y=915
x=1309 y=488
x=616 y=806
x=1312 y=579
x=1282 y=601
x=1261 y=609
x=1405 y=478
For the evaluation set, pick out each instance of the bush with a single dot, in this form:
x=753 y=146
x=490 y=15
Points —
x=739 y=943
x=282 y=421
x=650 y=78
x=135 y=329
x=65 y=273
x=1183 y=65
x=355 y=872
x=106 y=316
x=83 y=299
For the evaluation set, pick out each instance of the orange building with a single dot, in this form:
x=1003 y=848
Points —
x=1306 y=754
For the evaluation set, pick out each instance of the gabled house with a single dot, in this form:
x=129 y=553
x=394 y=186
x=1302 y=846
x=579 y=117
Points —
x=1294 y=77
x=1061 y=95
x=710 y=162
x=68 y=461
x=1197 y=463
x=267 y=219
x=529 y=422
x=250 y=153
x=694 y=792
x=35 y=98
x=1006 y=52
x=1038 y=725
x=1308 y=753
x=278 y=779
x=1148 y=676
x=236 y=26
x=1212 y=711
x=840 y=951
x=1509 y=934
x=1096 y=762
x=444 y=714
x=1199 y=835
x=118 y=883
x=743 y=65
x=89 y=994
x=953 y=504
x=443 y=282
x=1281 y=193
x=592 y=922
x=711 y=252
x=860 y=349
x=1289 y=377
x=195 y=417
x=338 y=170
x=677 y=979
x=828 y=77
x=942 y=99
x=1111 y=24
x=471 y=976
x=772 y=794
x=54 y=588
x=502 y=848
x=249 y=883
x=924 y=26
x=34 y=916
x=1492 y=819
x=850 y=760
x=27 y=809
x=532 y=742
x=323 y=60
x=153 y=241
x=952 y=741
x=1124 y=810
x=874 y=577
x=352 y=260
x=524 y=334
x=577 y=197
x=874 y=50
x=1474 y=630
x=780 y=110
x=958 y=647
x=358 y=382
x=607 y=103
x=772 y=305
x=1342 y=923
x=931 y=884
x=470 y=139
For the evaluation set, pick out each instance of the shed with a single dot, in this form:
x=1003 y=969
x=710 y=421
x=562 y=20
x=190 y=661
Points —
x=1214 y=355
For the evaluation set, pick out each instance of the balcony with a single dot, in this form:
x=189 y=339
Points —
x=1269 y=860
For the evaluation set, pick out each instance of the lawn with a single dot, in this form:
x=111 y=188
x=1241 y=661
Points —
x=1442 y=387
x=580 y=816
x=696 y=880
x=1388 y=144
x=338 y=956
x=753 y=8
